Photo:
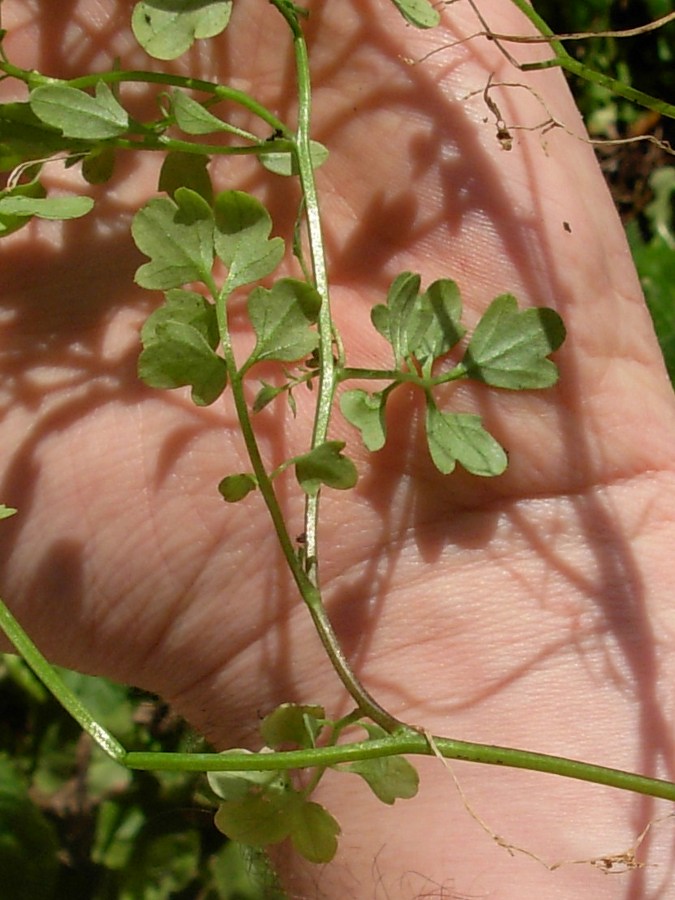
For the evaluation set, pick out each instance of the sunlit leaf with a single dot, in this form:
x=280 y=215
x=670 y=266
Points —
x=399 y=321
x=286 y=163
x=6 y=511
x=440 y=326
x=366 y=411
x=325 y=465
x=241 y=238
x=45 y=207
x=167 y=28
x=418 y=12
x=283 y=319
x=460 y=438
x=79 y=114
x=509 y=346
x=234 y=785
x=193 y=118
x=177 y=235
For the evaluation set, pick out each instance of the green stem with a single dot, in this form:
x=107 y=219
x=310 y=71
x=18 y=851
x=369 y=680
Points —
x=327 y=378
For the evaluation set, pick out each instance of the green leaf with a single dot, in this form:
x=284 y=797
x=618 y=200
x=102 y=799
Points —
x=79 y=115
x=45 y=207
x=98 y=165
x=241 y=238
x=256 y=820
x=266 y=394
x=440 y=326
x=10 y=223
x=193 y=118
x=287 y=164
x=325 y=465
x=179 y=341
x=314 y=832
x=177 y=235
x=509 y=346
x=460 y=437
x=400 y=317
x=167 y=28
x=6 y=511
x=418 y=12
x=366 y=412
x=390 y=777
x=185 y=170
x=235 y=487
x=283 y=319
x=292 y=723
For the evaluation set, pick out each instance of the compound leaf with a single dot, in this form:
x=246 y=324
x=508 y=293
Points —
x=177 y=235
x=366 y=412
x=325 y=464
x=167 y=28
x=292 y=723
x=460 y=437
x=178 y=348
x=509 y=346
x=235 y=487
x=314 y=832
x=418 y=12
x=282 y=318
x=79 y=115
x=242 y=238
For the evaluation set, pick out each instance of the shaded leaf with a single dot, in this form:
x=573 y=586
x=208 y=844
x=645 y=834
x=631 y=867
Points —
x=11 y=222
x=366 y=411
x=292 y=723
x=98 y=165
x=79 y=115
x=283 y=319
x=234 y=785
x=188 y=171
x=266 y=394
x=314 y=832
x=509 y=346
x=167 y=28
x=325 y=465
x=241 y=238
x=193 y=118
x=235 y=487
x=460 y=437
x=257 y=820
x=177 y=235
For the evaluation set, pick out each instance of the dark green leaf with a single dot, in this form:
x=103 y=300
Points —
x=460 y=437
x=314 y=832
x=366 y=412
x=79 y=115
x=177 y=235
x=167 y=28
x=292 y=723
x=185 y=170
x=325 y=465
x=265 y=395
x=418 y=12
x=99 y=164
x=509 y=346
x=399 y=319
x=283 y=320
x=235 y=487
x=241 y=239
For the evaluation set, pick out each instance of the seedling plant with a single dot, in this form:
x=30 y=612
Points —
x=206 y=247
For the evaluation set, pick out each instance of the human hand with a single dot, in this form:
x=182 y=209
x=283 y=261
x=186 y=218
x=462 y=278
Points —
x=530 y=610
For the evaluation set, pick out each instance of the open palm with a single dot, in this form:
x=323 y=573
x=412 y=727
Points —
x=527 y=610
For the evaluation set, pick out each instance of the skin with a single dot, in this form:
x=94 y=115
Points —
x=531 y=610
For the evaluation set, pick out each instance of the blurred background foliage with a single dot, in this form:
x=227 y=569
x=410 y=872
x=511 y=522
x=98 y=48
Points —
x=76 y=826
